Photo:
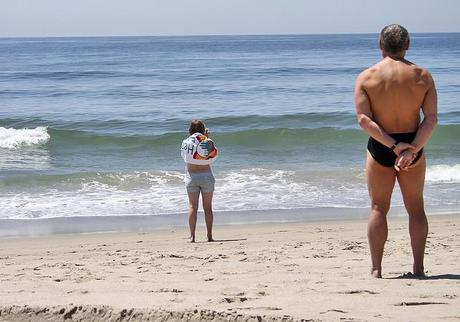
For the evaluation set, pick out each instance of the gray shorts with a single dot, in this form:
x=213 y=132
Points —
x=199 y=181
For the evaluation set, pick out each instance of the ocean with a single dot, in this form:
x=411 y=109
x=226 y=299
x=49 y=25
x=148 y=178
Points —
x=91 y=127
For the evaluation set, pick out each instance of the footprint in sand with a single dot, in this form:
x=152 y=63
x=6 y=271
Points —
x=418 y=303
x=232 y=292
x=334 y=310
x=450 y=296
x=353 y=245
x=167 y=290
x=234 y=299
x=358 y=292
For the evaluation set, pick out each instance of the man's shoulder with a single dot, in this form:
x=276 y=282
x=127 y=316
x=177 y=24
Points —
x=426 y=75
x=367 y=74
x=422 y=73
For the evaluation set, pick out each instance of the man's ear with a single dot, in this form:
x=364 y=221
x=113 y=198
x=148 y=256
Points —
x=381 y=44
x=408 y=43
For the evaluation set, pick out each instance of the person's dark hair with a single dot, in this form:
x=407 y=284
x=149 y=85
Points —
x=394 y=38
x=196 y=126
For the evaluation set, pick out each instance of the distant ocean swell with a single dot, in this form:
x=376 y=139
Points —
x=214 y=73
x=11 y=138
x=154 y=124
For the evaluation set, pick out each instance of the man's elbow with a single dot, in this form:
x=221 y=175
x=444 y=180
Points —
x=432 y=120
x=362 y=120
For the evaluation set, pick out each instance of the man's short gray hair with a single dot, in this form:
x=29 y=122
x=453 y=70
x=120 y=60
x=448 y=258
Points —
x=394 y=38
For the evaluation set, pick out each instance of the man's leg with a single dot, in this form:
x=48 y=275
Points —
x=208 y=214
x=380 y=182
x=411 y=183
x=193 y=198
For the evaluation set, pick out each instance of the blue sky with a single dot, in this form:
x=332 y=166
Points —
x=31 y=18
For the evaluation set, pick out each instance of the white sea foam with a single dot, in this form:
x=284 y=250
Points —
x=14 y=138
x=163 y=192
x=443 y=173
x=138 y=193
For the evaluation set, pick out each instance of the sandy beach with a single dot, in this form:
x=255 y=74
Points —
x=310 y=271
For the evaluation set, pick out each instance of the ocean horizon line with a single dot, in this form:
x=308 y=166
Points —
x=218 y=35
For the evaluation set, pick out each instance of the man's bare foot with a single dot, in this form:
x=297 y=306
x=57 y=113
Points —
x=210 y=239
x=377 y=273
x=414 y=276
x=419 y=272
x=191 y=239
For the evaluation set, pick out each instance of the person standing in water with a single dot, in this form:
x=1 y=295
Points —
x=198 y=152
x=389 y=97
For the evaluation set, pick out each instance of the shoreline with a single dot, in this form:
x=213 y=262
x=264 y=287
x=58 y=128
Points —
x=19 y=228
x=268 y=271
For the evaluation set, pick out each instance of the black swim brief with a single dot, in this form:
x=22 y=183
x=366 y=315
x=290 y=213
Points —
x=384 y=155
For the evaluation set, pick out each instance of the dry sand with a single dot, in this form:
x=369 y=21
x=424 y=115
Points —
x=317 y=271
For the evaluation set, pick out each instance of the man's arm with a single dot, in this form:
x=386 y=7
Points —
x=425 y=130
x=430 y=116
x=364 y=115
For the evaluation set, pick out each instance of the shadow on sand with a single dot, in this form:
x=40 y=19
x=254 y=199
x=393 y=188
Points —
x=220 y=241
x=228 y=240
x=427 y=277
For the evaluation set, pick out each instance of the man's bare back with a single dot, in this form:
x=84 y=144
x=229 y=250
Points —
x=396 y=91
x=389 y=97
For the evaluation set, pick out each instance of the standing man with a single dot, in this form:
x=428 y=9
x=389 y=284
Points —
x=389 y=97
